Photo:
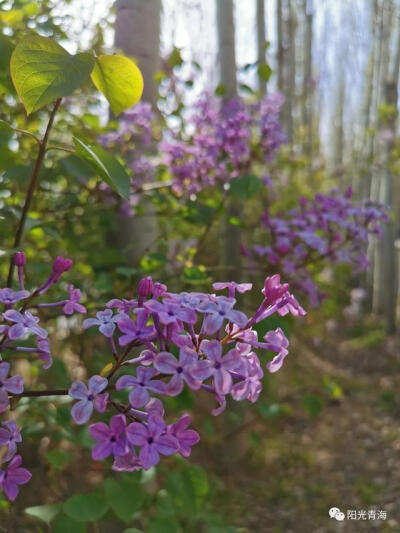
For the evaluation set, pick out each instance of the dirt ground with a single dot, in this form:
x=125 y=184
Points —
x=347 y=455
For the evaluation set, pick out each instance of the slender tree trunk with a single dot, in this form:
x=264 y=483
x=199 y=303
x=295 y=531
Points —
x=226 y=44
x=261 y=42
x=280 y=48
x=307 y=103
x=338 y=127
x=137 y=34
x=227 y=64
x=380 y=176
x=290 y=71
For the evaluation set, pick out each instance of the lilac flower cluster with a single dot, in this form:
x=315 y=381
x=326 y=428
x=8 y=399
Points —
x=160 y=343
x=19 y=322
x=330 y=227
x=224 y=140
x=163 y=342
x=227 y=140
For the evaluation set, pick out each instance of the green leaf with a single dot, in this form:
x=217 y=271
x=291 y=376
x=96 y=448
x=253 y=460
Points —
x=4 y=126
x=313 y=404
x=86 y=507
x=43 y=71
x=264 y=71
x=125 y=497
x=194 y=275
x=46 y=513
x=65 y=524
x=119 y=79
x=58 y=458
x=106 y=166
x=245 y=187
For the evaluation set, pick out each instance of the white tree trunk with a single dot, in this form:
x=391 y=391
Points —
x=261 y=41
x=137 y=34
x=227 y=64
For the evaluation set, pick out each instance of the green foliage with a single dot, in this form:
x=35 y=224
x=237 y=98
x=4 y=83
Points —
x=245 y=187
x=106 y=166
x=86 y=507
x=43 y=71
x=264 y=71
x=125 y=497
x=46 y=513
x=313 y=404
x=119 y=79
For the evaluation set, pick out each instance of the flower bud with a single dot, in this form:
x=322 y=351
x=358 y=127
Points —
x=60 y=265
x=145 y=287
x=19 y=259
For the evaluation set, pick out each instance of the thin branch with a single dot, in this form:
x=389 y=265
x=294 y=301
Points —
x=31 y=187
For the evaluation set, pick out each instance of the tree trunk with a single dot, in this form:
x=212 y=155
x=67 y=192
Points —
x=379 y=178
x=307 y=103
x=261 y=42
x=280 y=49
x=230 y=248
x=226 y=43
x=137 y=34
x=289 y=109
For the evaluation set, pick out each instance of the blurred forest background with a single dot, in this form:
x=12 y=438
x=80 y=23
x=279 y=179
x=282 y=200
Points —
x=326 y=430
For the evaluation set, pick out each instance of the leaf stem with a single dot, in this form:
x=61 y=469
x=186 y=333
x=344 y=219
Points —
x=32 y=186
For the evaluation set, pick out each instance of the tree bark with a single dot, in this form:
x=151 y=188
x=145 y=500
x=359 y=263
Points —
x=230 y=247
x=137 y=34
x=262 y=86
x=307 y=104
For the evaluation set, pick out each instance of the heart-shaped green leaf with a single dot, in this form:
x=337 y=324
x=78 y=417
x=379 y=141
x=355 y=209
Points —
x=119 y=79
x=43 y=71
x=106 y=166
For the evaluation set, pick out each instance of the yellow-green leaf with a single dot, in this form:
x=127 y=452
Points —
x=119 y=79
x=43 y=71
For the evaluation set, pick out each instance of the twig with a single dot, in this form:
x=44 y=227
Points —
x=32 y=186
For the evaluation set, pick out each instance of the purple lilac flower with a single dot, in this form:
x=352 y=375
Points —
x=170 y=312
x=73 y=305
x=141 y=385
x=273 y=289
x=135 y=330
x=152 y=439
x=105 y=320
x=13 y=476
x=250 y=386
x=19 y=259
x=10 y=435
x=232 y=287
x=186 y=437
x=219 y=310
x=145 y=287
x=13 y=385
x=111 y=440
x=24 y=323
x=90 y=397
x=127 y=463
x=217 y=366
x=10 y=297
x=123 y=306
x=181 y=370
x=277 y=342
x=43 y=347
x=60 y=265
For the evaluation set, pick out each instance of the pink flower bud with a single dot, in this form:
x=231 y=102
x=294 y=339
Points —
x=19 y=259
x=145 y=287
x=60 y=265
